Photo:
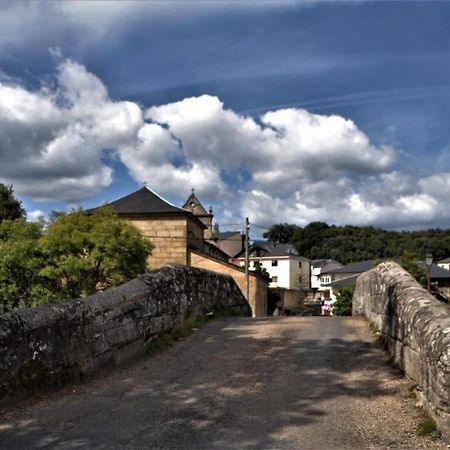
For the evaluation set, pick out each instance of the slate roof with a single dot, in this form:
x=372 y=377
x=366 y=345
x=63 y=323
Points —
x=446 y=260
x=228 y=234
x=146 y=202
x=269 y=249
x=358 y=267
x=344 y=282
x=436 y=271
x=325 y=264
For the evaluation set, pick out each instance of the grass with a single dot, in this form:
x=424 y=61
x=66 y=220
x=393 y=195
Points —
x=427 y=425
x=168 y=338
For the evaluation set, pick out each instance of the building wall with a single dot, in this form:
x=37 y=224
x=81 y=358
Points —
x=315 y=277
x=444 y=265
x=257 y=288
x=195 y=235
x=287 y=271
x=169 y=238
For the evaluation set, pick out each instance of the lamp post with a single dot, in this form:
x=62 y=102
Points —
x=428 y=262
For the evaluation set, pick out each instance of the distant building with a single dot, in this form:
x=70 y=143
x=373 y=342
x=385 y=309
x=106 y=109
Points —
x=288 y=271
x=319 y=266
x=440 y=278
x=178 y=236
x=445 y=263
x=333 y=279
x=230 y=242
x=193 y=205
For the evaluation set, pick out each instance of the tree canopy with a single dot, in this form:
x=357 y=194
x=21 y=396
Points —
x=10 y=207
x=349 y=243
x=74 y=255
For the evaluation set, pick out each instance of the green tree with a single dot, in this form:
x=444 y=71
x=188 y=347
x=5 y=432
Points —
x=344 y=301
x=262 y=272
x=10 y=207
x=20 y=264
x=86 y=253
x=281 y=233
x=409 y=262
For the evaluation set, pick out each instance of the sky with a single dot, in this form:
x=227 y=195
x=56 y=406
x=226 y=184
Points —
x=285 y=111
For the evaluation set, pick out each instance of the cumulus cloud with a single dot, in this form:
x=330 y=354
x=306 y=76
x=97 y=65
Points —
x=51 y=142
x=288 y=165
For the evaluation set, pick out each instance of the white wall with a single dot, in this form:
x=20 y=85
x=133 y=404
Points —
x=287 y=271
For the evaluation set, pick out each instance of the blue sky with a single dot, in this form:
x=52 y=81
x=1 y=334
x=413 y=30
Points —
x=281 y=111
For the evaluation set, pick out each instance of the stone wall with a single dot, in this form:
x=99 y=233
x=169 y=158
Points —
x=50 y=345
x=169 y=237
x=416 y=330
x=257 y=288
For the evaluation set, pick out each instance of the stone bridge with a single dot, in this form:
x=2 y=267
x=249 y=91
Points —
x=289 y=382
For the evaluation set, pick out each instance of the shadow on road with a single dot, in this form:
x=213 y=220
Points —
x=234 y=384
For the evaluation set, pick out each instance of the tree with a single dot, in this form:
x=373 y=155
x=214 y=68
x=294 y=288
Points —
x=262 y=272
x=281 y=233
x=409 y=263
x=344 y=301
x=86 y=253
x=10 y=207
x=20 y=264
x=307 y=239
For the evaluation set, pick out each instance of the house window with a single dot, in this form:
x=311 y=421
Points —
x=274 y=279
x=300 y=264
x=274 y=263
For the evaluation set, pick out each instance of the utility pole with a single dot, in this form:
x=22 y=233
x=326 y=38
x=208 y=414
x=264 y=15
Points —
x=247 y=275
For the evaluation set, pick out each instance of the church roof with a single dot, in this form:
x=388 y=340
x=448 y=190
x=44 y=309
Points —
x=193 y=204
x=146 y=202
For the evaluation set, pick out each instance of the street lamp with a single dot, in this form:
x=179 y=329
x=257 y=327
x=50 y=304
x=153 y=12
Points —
x=428 y=262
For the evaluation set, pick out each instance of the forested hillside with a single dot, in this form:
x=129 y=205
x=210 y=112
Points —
x=350 y=243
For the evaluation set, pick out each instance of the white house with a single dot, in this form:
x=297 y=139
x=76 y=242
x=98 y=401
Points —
x=445 y=263
x=318 y=282
x=287 y=269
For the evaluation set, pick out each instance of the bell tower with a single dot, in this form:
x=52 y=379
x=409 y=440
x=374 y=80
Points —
x=195 y=207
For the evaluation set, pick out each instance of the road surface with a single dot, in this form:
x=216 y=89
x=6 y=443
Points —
x=289 y=382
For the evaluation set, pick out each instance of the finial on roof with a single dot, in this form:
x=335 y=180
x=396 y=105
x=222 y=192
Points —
x=210 y=210
x=144 y=184
x=193 y=190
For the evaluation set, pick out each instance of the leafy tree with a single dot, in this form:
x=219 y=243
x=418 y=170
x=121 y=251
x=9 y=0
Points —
x=349 y=243
x=20 y=264
x=262 y=272
x=10 y=207
x=307 y=238
x=89 y=253
x=409 y=263
x=344 y=301
x=281 y=233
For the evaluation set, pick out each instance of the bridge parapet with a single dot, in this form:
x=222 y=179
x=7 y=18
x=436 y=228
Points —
x=415 y=328
x=50 y=345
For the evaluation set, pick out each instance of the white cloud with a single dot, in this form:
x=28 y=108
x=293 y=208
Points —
x=51 y=142
x=288 y=165
x=35 y=215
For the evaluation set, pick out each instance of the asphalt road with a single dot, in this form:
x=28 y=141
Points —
x=292 y=382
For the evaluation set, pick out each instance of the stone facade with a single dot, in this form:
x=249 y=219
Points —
x=170 y=236
x=51 y=345
x=416 y=330
x=193 y=205
x=257 y=288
